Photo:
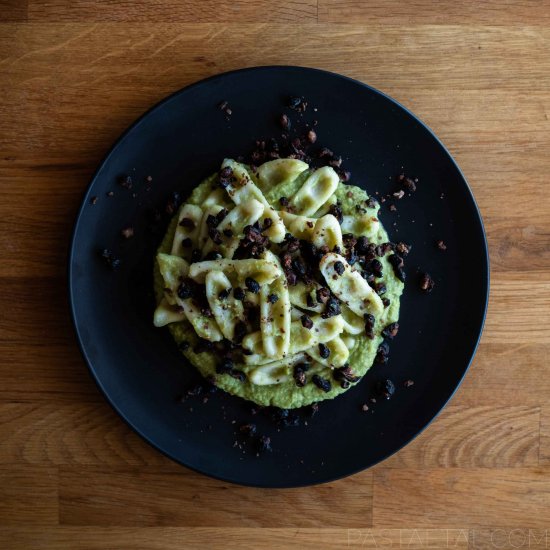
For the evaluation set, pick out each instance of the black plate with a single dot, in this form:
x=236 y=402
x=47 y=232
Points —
x=182 y=140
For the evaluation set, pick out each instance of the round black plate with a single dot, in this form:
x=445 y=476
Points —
x=178 y=143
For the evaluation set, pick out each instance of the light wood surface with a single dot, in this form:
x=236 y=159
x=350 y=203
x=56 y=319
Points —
x=74 y=74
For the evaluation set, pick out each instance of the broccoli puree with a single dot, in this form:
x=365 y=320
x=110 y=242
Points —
x=287 y=394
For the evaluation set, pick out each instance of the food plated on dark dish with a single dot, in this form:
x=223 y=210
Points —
x=275 y=287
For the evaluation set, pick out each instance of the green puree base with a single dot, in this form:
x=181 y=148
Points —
x=288 y=395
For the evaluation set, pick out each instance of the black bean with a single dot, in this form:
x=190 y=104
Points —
x=300 y=373
x=345 y=375
x=310 y=301
x=369 y=325
x=391 y=331
x=339 y=267
x=382 y=354
x=225 y=176
x=351 y=257
x=324 y=351
x=224 y=294
x=332 y=308
x=426 y=282
x=306 y=321
x=323 y=294
x=380 y=289
x=238 y=293
x=321 y=383
x=397 y=263
x=403 y=249
x=375 y=267
x=362 y=245
x=184 y=291
x=336 y=211
x=385 y=388
x=252 y=285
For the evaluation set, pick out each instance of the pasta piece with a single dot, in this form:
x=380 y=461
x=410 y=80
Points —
x=338 y=355
x=276 y=372
x=301 y=338
x=353 y=324
x=237 y=219
x=322 y=331
x=253 y=342
x=217 y=196
x=243 y=190
x=299 y=296
x=295 y=314
x=316 y=190
x=327 y=232
x=227 y=311
x=367 y=226
x=166 y=314
x=301 y=227
x=349 y=341
x=280 y=170
x=173 y=269
x=325 y=209
x=275 y=315
x=263 y=271
x=350 y=287
x=204 y=238
x=187 y=230
x=205 y=327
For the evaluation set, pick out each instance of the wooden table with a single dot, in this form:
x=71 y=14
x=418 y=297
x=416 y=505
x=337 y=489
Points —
x=74 y=74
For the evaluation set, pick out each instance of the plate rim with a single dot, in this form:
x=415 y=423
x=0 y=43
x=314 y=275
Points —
x=84 y=202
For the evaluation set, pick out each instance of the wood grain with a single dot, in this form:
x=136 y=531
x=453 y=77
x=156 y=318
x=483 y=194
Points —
x=453 y=498
x=151 y=496
x=544 y=456
x=74 y=74
x=447 y=12
x=172 y=538
x=28 y=495
x=239 y=11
